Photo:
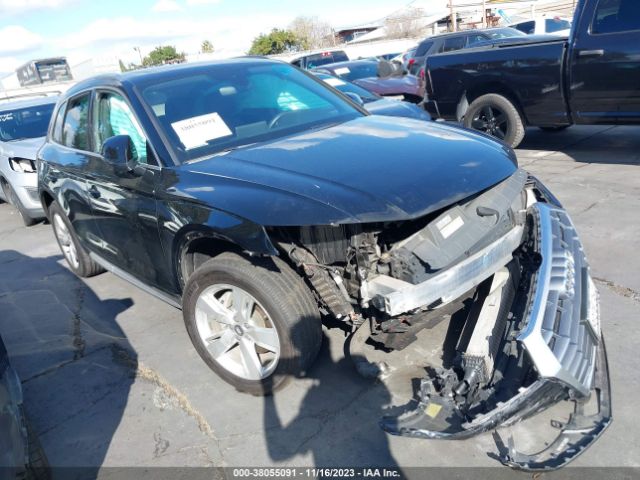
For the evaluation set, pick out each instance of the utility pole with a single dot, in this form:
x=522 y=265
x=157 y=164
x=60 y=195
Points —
x=452 y=16
x=484 y=13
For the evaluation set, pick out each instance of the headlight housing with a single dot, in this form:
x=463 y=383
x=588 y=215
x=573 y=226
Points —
x=22 y=165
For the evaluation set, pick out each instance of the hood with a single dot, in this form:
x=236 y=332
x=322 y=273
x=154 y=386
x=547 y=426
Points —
x=27 y=148
x=371 y=169
x=394 y=108
x=391 y=85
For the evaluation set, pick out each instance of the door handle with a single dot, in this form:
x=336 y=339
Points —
x=94 y=192
x=591 y=53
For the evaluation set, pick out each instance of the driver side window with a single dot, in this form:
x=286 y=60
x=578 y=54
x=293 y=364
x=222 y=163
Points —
x=112 y=116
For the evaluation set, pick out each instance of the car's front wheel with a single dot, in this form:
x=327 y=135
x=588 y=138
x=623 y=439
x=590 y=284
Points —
x=76 y=256
x=253 y=321
x=10 y=194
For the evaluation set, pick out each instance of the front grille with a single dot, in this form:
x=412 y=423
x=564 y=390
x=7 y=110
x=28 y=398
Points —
x=562 y=330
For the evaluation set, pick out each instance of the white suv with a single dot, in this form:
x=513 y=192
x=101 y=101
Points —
x=23 y=127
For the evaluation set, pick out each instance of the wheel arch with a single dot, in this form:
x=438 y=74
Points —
x=195 y=244
x=46 y=199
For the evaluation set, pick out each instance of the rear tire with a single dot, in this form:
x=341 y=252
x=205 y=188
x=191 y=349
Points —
x=77 y=257
x=497 y=116
x=268 y=314
x=10 y=194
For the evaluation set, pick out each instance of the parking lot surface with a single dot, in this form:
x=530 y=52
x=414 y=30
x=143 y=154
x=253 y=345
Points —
x=110 y=377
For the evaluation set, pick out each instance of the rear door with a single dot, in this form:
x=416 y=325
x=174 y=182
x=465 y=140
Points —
x=68 y=156
x=605 y=63
x=123 y=205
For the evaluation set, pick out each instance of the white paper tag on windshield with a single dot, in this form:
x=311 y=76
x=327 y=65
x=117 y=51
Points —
x=334 y=82
x=197 y=131
x=341 y=71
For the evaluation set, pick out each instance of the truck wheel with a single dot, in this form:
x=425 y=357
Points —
x=10 y=194
x=497 y=116
x=74 y=253
x=254 y=322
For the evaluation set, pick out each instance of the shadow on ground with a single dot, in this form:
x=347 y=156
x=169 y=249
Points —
x=588 y=144
x=336 y=422
x=75 y=363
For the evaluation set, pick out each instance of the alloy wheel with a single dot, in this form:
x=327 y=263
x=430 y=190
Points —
x=491 y=120
x=66 y=242
x=237 y=332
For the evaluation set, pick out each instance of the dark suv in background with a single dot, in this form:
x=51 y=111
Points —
x=448 y=42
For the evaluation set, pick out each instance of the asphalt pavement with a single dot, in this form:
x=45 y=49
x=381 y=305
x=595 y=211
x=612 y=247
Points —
x=110 y=377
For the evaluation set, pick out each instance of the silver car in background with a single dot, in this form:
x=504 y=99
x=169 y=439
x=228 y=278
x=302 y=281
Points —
x=23 y=127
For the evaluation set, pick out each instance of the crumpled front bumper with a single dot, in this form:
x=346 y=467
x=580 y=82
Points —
x=562 y=340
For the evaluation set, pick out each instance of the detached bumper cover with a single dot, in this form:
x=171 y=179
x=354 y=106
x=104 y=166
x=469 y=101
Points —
x=563 y=341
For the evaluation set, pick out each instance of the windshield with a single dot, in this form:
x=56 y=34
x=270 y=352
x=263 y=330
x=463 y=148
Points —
x=356 y=71
x=203 y=112
x=346 y=87
x=504 y=33
x=22 y=123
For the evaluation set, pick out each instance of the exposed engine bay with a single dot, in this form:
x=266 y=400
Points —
x=509 y=262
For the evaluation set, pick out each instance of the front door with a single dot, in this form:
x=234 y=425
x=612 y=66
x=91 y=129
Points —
x=605 y=64
x=124 y=205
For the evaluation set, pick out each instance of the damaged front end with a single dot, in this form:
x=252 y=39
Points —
x=509 y=266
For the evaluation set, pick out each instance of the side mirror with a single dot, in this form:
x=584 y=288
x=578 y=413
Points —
x=355 y=97
x=119 y=151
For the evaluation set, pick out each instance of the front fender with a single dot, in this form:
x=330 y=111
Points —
x=182 y=222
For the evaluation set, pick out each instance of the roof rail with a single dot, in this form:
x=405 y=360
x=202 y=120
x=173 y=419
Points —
x=30 y=94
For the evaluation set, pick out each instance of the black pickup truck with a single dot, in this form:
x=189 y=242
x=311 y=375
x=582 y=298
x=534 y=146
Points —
x=593 y=77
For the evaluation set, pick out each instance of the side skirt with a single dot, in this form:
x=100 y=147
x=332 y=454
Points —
x=135 y=282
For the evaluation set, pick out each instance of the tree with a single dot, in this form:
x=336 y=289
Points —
x=406 y=23
x=163 y=55
x=314 y=32
x=206 y=47
x=277 y=41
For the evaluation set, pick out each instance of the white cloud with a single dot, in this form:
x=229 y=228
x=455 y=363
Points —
x=107 y=34
x=166 y=6
x=20 y=6
x=8 y=65
x=195 y=3
x=17 y=39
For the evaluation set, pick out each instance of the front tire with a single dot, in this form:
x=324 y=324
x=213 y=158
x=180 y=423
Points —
x=77 y=257
x=10 y=194
x=253 y=321
x=497 y=116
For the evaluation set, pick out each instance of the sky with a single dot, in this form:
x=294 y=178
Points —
x=83 y=29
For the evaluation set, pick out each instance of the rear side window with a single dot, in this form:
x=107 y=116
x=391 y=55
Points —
x=325 y=59
x=455 y=43
x=56 y=135
x=423 y=48
x=616 y=16
x=526 y=27
x=75 y=130
x=556 y=25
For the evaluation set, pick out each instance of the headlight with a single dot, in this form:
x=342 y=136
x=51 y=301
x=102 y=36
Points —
x=23 y=165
